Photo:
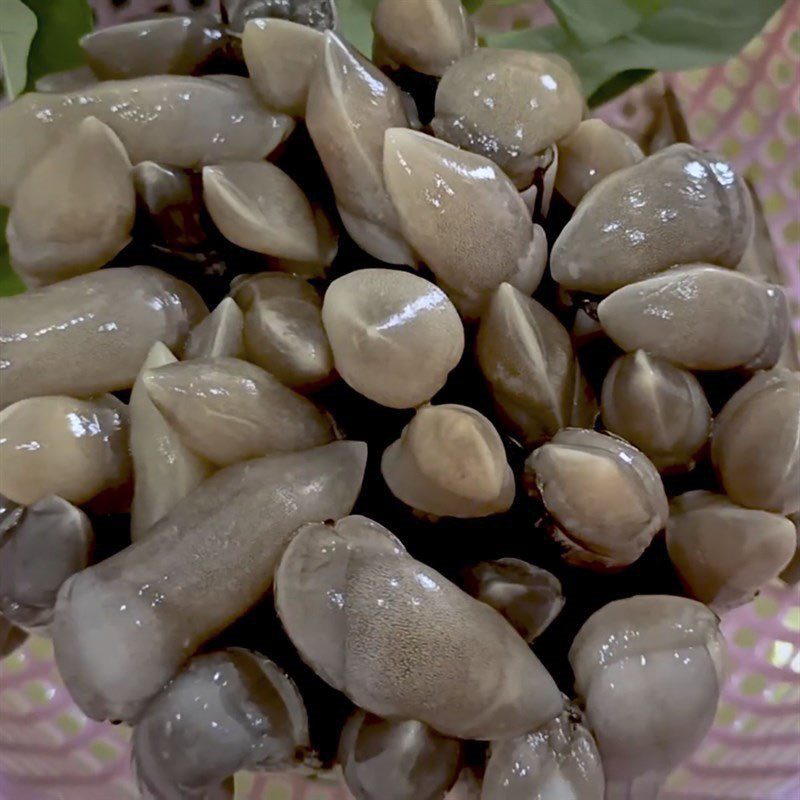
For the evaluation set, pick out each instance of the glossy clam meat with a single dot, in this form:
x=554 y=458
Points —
x=185 y=122
x=221 y=333
x=463 y=217
x=317 y=14
x=756 y=443
x=76 y=337
x=226 y=711
x=700 y=317
x=401 y=641
x=57 y=445
x=74 y=211
x=450 y=461
x=395 y=336
x=200 y=568
x=508 y=105
x=679 y=206
x=724 y=553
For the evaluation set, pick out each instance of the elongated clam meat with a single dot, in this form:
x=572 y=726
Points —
x=221 y=333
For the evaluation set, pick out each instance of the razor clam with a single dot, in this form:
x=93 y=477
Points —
x=76 y=337
x=281 y=57
x=226 y=711
x=75 y=449
x=590 y=153
x=464 y=217
x=159 y=45
x=509 y=106
x=530 y=598
x=700 y=317
x=351 y=104
x=658 y=407
x=679 y=206
x=724 y=553
x=52 y=541
x=317 y=14
x=221 y=333
x=605 y=498
x=558 y=760
x=395 y=336
x=186 y=122
x=74 y=211
x=648 y=671
x=449 y=462
x=11 y=637
x=526 y=355
x=397 y=759
x=68 y=80
x=401 y=641
x=165 y=470
x=202 y=566
x=227 y=410
x=283 y=330
x=259 y=207
x=424 y=35
x=755 y=445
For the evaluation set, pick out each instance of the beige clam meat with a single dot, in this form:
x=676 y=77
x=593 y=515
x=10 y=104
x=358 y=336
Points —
x=403 y=642
x=317 y=14
x=679 y=206
x=68 y=80
x=554 y=762
x=186 y=122
x=259 y=207
x=221 y=333
x=226 y=711
x=791 y=573
x=464 y=218
x=328 y=244
x=756 y=443
x=450 y=462
x=351 y=104
x=160 y=45
x=283 y=330
x=397 y=759
x=78 y=338
x=74 y=211
x=424 y=35
x=526 y=355
x=395 y=336
x=58 y=445
x=658 y=407
x=227 y=410
x=700 y=317
x=201 y=567
x=724 y=553
x=508 y=105
x=648 y=672
x=604 y=496
x=165 y=470
x=590 y=153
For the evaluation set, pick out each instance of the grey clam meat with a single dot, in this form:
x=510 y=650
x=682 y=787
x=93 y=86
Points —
x=658 y=407
x=700 y=317
x=755 y=445
x=450 y=462
x=725 y=553
x=529 y=597
x=395 y=336
x=679 y=206
x=401 y=641
x=221 y=333
x=463 y=217
x=74 y=211
x=50 y=542
x=226 y=711
x=58 y=445
x=318 y=14
x=791 y=573
x=558 y=760
x=605 y=498
x=200 y=568
x=397 y=759
x=76 y=338
x=509 y=106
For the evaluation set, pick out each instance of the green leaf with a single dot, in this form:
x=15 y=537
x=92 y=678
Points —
x=472 y=5
x=355 y=20
x=617 y=85
x=55 y=46
x=17 y=29
x=593 y=23
x=9 y=280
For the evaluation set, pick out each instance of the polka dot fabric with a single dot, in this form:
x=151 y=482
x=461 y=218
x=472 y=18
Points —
x=749 y=110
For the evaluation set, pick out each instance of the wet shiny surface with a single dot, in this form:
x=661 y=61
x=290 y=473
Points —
x=317 y=14
x=221 y=333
